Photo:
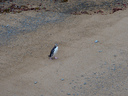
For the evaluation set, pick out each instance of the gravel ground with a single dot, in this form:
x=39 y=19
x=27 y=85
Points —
x=109 y=81
x=61 y=11
x=28 y=24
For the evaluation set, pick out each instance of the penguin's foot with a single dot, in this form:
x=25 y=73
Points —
x=56 y=58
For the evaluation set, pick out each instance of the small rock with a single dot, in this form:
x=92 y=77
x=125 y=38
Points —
x=100 y=51
x=114 y=68
x=9 y=32
x=7 y=25
x=105 y=63
x=35 y=82
x=96 y=41
x=115 y=55
x=97 y=77
x=62 y=79
x=68 y=94
x=73 y=87
x=84 y=83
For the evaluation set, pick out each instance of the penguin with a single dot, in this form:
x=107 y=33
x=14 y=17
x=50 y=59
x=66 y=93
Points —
x=53 y=52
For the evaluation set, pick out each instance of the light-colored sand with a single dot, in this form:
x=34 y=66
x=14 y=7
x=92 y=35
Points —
x=85 y=70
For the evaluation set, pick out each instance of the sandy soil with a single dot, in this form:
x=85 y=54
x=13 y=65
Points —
x=83 y=67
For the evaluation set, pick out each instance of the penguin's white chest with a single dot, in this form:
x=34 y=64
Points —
x=56 y=50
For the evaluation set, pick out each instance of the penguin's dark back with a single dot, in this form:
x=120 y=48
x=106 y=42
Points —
x=52 y=52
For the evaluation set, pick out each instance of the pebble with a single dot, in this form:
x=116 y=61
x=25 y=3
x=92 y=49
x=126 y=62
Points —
x=114 y=68
x=84 y=83
x=115 y=55
x=62 y=79
x=74 y=87
x=35 y=82
x=9 y=32
x=7 y=25
x=105 y=63
x=100 y=51
x=68 y=94
x=96 y=41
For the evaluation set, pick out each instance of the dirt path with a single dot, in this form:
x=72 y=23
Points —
x=83 y=68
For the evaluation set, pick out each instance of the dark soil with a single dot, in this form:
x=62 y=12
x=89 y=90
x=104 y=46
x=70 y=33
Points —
x=63 y=6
